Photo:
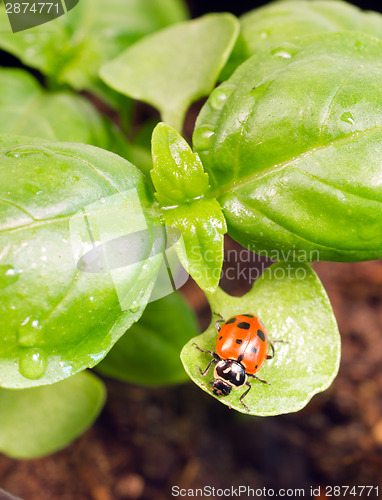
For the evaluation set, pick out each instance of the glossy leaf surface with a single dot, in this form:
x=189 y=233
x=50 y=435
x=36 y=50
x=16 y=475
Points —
x=41 y=420
x=178 y=173
x=297 y=165
x=71 y=49
x=60 y=204
x=175 y=67
x=293 y=305
x=181 y=185
x=148 y=353
x=201 y=248
x=280 y=21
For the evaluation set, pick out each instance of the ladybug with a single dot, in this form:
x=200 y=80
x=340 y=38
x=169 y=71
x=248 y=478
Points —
x=242 y=347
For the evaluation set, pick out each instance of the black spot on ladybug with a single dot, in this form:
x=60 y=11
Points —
x=239 y=341
x=240 y=358
x=248 y=315
x=254 y=350
x=261 y=335
x=256 y=366
x=232 y=320
x=221 y=336
x=244 y=325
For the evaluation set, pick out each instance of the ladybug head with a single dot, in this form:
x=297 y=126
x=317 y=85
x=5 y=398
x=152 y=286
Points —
x=221 y=388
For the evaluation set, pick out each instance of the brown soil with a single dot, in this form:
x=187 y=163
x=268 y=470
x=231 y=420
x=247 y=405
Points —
x=148 y=440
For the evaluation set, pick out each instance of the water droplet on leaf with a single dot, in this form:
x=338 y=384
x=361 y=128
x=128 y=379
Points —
x=286 y=50
x=203 y=136
x=219 y=96
x=8 y=276
x=32 y=364
x=12 y=154
x=134 y=306
x=347 y=117
x=259 y=91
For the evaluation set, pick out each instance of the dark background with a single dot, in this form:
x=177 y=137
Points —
x=238 y=7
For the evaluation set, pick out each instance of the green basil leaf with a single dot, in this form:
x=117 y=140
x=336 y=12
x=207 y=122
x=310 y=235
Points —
x=294 y=307
x=281 y=21
x=41 y=420
x=178 y=174
x=148 y=353
x=71 y=49
x=27 y=109
x=296 y=165
x=201 y=248
x=181 y=183
x=175 y=67
x=67 y=296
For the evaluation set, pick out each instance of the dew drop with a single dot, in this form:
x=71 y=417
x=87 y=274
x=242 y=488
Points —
x=220 y=95
x=203 y=136
x=134 y=306
x=286 y=50
x=8 y=276
x=347 y=117
x=66 y=367
x=259 y=91
x=75 y=178
x=12 y=154
x=32 y=364
x=29 y=333
x=21 y=154
x=281 y=53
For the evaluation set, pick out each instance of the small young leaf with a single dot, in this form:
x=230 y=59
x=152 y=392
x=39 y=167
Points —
x=66 y=294
x=178 y=174
x=39 y=421
x=294 y=164
x=148 y=353
x=201 y=248
x=181 y=183
x=293 y=305
x=175 y=67
x=27 y=109
x=71 y=49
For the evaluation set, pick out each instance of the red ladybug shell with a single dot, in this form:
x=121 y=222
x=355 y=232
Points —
x=244 y=339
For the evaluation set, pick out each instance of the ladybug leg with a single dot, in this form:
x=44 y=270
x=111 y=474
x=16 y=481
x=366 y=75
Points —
x=207 y=352
x=217 y=326
x=273 y=349
x=244 y=394
x=221 y=320
x=257 y=378
x=214 y=360
x=204 y=373
x=273 y=352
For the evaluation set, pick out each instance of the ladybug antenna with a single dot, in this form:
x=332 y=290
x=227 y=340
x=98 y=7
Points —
x=214 y=313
